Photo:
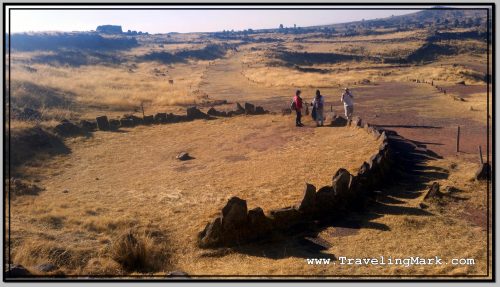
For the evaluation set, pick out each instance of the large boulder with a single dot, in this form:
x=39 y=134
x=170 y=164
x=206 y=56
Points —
x=308 y=203
x=234 y=214
x=484 y=172
x=102 y=123
x=249 y=109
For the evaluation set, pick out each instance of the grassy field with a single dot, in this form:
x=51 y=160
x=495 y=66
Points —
x=102 y=190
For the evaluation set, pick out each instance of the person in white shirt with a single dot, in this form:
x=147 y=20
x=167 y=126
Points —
x=348 y=100
x=318 y=103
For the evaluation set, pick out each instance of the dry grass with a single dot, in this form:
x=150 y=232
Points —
x=110 y=203
x=110 y=192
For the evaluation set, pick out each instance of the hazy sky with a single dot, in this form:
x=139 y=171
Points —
x=162 y=21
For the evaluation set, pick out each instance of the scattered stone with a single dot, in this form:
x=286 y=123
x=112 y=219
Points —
x=249 y=109
x=423 y=205
x=285 y=112
x=65 y=191
x=102 y=123
x=183 y=156
x=461 y=83
x=484 y=172
x=46 y=267
x=16 y=270
x=433 y=192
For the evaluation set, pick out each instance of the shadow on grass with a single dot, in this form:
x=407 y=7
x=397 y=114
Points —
x=307 y=240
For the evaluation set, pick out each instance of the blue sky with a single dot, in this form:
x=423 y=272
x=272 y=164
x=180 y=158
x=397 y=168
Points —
x=163 y=21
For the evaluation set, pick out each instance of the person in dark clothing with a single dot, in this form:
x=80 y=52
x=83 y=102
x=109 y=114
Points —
x=297 y=106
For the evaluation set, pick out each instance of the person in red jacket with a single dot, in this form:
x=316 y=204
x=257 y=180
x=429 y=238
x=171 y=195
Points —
x=297 y=105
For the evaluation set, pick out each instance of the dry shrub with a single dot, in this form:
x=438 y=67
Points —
x=138 y=251
x=37 y=251
x=102 y=266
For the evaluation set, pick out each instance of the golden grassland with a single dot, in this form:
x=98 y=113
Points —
x=115 y=183
x=110 y=191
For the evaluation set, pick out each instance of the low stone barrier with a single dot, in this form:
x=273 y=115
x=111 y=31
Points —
x=102 y=123
x=236 y=224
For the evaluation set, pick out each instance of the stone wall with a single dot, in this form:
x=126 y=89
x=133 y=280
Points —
x=236 y=224
x=67 y=128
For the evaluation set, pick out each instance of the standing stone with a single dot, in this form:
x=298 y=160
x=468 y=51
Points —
x=88 y=125
x=114 y=124
x=148 y=120
x=484 y=172
x=285 y=217
x=234 y=214
x=260 y=110
x=212 y=234
x=194 y=113
x=338 y=121
x=308 y=203
x=249 y=109
x=161 y=118
x=341 y=182
x=102 y=123
x=259 y=223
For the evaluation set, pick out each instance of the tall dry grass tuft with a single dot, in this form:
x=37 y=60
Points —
x=138 y=251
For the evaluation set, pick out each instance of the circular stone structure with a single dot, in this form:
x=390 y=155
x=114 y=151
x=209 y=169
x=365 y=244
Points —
x=132 y=179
